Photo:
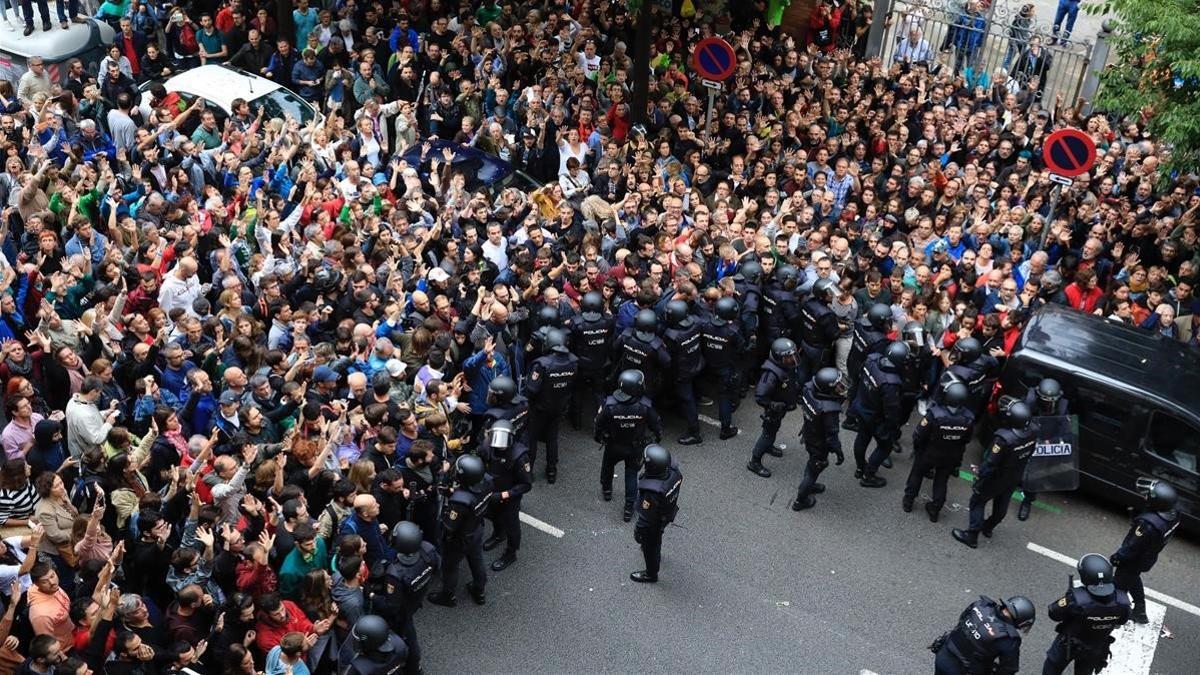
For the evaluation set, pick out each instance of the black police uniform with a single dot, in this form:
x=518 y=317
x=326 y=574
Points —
x=978 y=375
x=517 y=412
x=722 y=344
x=624 y=429
x=914 y=377
x=592 y=339
x=780 y=313
x=1001 y=471
x=1147 y=536
x=407 y=579
x=1061 y=407
x=878 y=407
x=657 y=506
x=820 y=433
x=550 y=389
x=1085 y=623
x=777 y=391
x=635 y=353
x=353 y=662
x=462 y=534
x=749 y=297
x=819 y=330
x=511 y=471
x=684 y=347
x=982 y=642
x=866 y=340
x=938 y=443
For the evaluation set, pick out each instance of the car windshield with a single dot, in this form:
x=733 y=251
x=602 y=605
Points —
x=281 y=102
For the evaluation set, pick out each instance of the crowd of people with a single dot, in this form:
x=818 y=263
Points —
x=244 y=355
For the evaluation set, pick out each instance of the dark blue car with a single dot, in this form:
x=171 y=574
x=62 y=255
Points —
x=482 y=171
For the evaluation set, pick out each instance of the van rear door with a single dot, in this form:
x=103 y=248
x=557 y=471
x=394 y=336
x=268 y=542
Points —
x=1108 y=431
x=1170 y=450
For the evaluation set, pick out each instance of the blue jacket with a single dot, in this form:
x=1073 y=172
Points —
x=968 y=33
x=303 y=71
x=479 y=375
x=98 y=143
x=377 y=546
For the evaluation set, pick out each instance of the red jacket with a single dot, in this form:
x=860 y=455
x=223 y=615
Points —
x=1083 y=300
x=268 y=633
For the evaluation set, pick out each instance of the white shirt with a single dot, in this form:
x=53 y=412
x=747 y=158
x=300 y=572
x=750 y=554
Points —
x=86 y=427
x=178 y=293
x=497 y=253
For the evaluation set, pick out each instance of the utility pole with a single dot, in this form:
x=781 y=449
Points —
x=641 y=60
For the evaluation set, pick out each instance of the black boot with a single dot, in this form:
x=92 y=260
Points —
x=443 y=598
x=728 y=433
x=1139 y=616
x=493 y=541
x=933 y=511
x=870 y=480
x=690 y=438
x=966 y=537
x=477 y=594
x=551 y=474
x=627 y=514
x=643 y=577
x=1023 y=512
x=887 y=462
x=817 y=488
x=850 y=423
x=907 y=504
x=775 y=451
x=607 y=492
x=504 y=561
x=807 y=502
x=756 y=466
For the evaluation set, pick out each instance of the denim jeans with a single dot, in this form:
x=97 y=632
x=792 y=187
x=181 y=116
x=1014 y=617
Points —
x=1068 y=9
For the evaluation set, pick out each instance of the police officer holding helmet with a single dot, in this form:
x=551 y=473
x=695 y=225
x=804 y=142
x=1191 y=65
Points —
x=658 y=504
x=624 y=424
x=987 y=638
x=938 y=444
x=507 y=461
x=722 y=345
x=777 y=391
x=373 y=649
x=1086 y=618
x=550 y=388
x=462 y=531
x=878 y=406
x=1147 y=536
x=1001 y=471
x=407 y=578
x=1045 y=400
x=591 y=337
x=682 y=341
x=821 y=403
x=640 y=348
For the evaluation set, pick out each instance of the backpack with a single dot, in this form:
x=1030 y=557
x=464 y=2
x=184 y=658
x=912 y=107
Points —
x=187 y=39
x=83 y=492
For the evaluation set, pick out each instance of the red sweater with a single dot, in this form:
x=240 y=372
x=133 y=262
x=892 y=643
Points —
x=1083 y=300
x=268 y=633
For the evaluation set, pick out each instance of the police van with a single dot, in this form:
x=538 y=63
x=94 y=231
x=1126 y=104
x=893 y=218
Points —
x=1136 y=396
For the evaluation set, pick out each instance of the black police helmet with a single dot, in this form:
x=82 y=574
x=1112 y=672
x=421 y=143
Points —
x=896 y=354
x=1017 y=416
x=1049 y=391
x=646 y=321
x=469 y=470
x=677 y=311
x=370 y=634
x=825 y=290
x=1161 y=496
x=501 y=390
x=783 y=352
x=592 y=303
x=631 y=384
x=500 y=435
x=830 y=382
x=547 y=315
x=727 y=309
x=1096 y=573
x=879 y=316
x=1021 y=610
x=914 y=332
x=406 y=538
x=967 y=350
x=788 y=276
x=657 y=459
x=555 y=341
x=956 y=394
x=751 y=271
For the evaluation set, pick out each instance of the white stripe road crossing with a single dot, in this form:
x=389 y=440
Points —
x=708 y=420
x=541 y=525
x=1155 y=595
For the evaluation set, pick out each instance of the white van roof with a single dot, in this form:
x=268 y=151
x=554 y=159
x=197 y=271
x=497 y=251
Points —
x=56 y=44
x=221 y=84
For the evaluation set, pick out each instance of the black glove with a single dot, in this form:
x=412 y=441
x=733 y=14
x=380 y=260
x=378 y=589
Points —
x=841 y=457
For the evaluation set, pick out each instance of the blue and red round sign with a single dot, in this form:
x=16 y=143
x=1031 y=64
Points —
x=1069 y=152
x=713 y=59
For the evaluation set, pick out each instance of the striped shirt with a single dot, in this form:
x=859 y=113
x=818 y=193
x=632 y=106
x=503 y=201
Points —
x=18 y=503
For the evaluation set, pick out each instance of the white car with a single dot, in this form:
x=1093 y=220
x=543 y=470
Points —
x=220 y=85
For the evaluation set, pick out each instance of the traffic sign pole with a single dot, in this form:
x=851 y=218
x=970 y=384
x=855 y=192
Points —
x=714 y=60
x=1055 y=193
x=708 y=113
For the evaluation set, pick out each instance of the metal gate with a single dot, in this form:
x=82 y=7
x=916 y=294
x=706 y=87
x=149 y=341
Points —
x=959 y=45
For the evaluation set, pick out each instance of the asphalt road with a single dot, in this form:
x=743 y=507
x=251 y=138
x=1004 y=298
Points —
x=748 y=585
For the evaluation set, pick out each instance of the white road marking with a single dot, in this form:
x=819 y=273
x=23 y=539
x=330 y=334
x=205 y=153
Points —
x=864 y=671
x=1161 y=597
x=541 y=525
x=709 y=421
x=1133 y=651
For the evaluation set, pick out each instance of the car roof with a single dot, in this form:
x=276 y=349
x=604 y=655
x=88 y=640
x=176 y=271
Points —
x=56 y=45
x=221 y=84
x=1128 y=358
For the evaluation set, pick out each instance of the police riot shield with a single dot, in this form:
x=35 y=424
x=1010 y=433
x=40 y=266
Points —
x=1054 y=466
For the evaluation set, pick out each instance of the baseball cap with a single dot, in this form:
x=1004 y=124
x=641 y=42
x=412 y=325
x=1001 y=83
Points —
x=396 y=367
x=438 y=274
x=940 y=246
x=324 y=374
x=229 y=397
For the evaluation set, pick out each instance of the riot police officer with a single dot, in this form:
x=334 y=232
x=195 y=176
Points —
x=987 y=638
x=640 y=348
x=916 y=370
x=550 y=388
x=780 y=305
x=1086 y=617
x=1045 y=400
x=1001 y=471
x=819 y=327
x=504 y=403
x=722 y=345
x=592 y=338
x=1147 y=536
x=407 y=578
x=682 y=341
x=747 y=286
x=658 y=503
x=546 y=319
x=462 y=532
x=969 y=365
x=878 y=406
x=373 y=649
x=624 y=424
x=506 y=459
x=938 y=445
x=777 y=391
x=870 y=337
x=821 y=403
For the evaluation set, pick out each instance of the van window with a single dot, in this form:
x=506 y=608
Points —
x=1100 y=412
x=1173 y=440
